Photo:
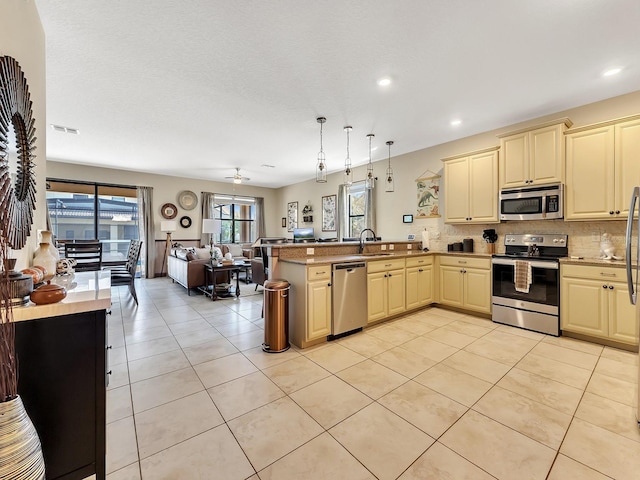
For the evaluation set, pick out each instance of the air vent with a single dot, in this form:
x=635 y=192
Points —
x=61 y=129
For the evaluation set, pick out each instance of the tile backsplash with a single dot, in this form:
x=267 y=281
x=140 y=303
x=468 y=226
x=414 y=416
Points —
x=584 y=237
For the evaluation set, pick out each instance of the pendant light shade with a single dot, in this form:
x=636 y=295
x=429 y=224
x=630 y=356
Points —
x=370 y=181
x=321 y=166
x=348 y=177
x=389 y=176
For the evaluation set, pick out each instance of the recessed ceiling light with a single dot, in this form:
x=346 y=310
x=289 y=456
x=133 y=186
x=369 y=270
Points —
x=612 y=71
x=455 y=123
x=384 y=82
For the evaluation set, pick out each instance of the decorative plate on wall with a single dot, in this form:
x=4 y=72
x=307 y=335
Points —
x=169 y=211
x=185 y=222
x=187 y=199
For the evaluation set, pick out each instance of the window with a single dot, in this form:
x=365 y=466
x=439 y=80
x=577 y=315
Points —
x=90 y=210
x=237 y=216
x=356 y=207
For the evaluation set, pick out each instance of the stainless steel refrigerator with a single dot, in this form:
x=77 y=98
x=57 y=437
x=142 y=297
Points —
x=633 y=267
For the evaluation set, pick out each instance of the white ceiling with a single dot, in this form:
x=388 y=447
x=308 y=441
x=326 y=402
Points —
x=198 y=87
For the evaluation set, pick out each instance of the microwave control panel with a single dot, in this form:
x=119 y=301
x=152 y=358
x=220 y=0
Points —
x=553 y=204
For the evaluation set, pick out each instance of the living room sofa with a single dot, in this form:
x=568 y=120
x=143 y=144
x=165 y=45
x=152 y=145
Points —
x=186 y=265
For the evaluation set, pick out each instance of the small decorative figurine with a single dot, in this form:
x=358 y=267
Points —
x=607 y=250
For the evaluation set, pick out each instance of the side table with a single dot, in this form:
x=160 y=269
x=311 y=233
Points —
x=210 y=270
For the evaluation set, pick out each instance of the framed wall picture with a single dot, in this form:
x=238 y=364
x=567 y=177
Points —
x=329 y=213
x=292 y=216
x=428 y=204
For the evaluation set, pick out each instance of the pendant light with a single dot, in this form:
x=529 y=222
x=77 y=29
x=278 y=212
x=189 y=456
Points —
x=370 y=181
x=389 y=177
x=321 y=167
x=348 y=178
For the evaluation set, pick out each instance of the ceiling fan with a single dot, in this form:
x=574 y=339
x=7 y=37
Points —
x=237 y=178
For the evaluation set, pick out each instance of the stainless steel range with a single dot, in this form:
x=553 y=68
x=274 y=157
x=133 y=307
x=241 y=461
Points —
x=526 y=282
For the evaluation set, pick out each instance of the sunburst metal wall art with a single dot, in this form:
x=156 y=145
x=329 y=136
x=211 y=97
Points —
x=17 y=195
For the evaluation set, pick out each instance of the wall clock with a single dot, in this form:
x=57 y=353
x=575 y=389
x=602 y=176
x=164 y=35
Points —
x=185 y=222
x=17 y=179
x=169 y=211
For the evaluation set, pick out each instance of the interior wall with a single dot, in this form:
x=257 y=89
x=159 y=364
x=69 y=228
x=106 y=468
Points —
x=22 y=37
x=407 y=168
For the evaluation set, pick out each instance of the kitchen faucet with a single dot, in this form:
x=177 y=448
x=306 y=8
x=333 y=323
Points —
x=361 y=249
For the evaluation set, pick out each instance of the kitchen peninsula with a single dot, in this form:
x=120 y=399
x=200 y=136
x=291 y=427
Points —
x=62 y=379
x=400 y=278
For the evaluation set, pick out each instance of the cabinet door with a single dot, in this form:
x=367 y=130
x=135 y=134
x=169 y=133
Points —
x=584 y=306
x=627 y=164
x=514 y=160
x=451 y=286
x=546 y=155
x=318 y=310
x=477 y=289
x=456 y=192
x=395 y=292
x=425 y=285
x=376 y=296
x=623 y=325
x=483 y=187
x=412 y=280
x=590 y=187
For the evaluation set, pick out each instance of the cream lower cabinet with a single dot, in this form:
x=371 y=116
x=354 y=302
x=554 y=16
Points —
x=385 y=289
x=419 y=281
x=309 y=302
x=595 y=302
x=465 y=283
x=471 y=187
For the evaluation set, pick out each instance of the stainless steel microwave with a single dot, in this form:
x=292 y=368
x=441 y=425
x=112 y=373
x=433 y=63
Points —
x=532 y=203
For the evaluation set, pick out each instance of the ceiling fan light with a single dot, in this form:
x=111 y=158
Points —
x=237 y=180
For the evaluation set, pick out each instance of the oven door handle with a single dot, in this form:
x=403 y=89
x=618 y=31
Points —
x=534 y=263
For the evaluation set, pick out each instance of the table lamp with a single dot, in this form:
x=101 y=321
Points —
x=211 y=226
x=167 y=226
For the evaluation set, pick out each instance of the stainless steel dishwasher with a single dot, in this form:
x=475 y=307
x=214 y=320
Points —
x=349 y=297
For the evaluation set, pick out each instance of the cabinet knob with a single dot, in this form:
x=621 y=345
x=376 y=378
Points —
x=328 y=284
x=109 y=347
x=610 y=212
x=604 y=286
x=420 y=270
x=109 y=372
x=617 y=212
x=610 y=287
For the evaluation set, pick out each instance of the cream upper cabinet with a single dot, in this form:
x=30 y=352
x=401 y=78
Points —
x=602 y=168
x=533 y=157
x=471 y=187
x=465 y=282
x=595 y=302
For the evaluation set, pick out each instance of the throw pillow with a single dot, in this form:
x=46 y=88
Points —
x=191 y=256
x=181 y=253
x=235 y=249
x=203 y=253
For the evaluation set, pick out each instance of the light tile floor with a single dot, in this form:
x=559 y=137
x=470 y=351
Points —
x=434 y=394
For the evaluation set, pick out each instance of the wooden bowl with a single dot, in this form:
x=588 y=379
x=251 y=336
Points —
x=47 y=294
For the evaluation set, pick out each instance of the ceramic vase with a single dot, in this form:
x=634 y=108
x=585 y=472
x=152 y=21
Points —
x=20 y=449
x=46 y=237
x=43 y=257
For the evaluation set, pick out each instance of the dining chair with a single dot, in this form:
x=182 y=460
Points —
x=127 y=276
x=86 y=253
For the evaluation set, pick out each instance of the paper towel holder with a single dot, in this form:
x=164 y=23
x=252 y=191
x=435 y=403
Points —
x=407 y=218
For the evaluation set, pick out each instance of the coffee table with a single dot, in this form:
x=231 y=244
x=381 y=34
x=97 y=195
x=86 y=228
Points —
x=210 y=270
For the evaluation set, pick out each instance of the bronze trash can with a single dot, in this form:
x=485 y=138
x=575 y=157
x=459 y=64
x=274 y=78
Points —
x=276 y=316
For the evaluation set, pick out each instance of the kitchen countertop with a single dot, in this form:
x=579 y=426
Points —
x=326 y=260
x=86 y=292
x=596 y=262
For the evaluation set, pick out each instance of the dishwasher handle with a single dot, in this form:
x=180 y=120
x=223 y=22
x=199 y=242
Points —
x=348 y=266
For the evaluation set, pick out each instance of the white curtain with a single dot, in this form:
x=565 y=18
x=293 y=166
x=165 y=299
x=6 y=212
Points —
x=146 y=231
x=342 y=212
x=261 y=229
x=208 y=211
